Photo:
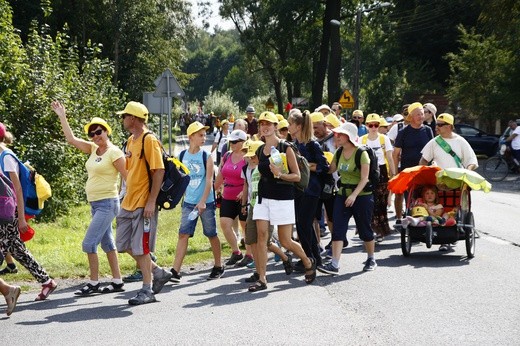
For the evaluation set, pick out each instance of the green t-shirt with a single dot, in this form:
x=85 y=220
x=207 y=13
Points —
x=349 y=174
x=255 y=179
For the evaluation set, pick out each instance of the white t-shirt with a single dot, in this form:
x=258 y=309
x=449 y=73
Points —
x=10 y=165
x=221 y=140
x=515 y=143
x=433 y=151
x=376 y=145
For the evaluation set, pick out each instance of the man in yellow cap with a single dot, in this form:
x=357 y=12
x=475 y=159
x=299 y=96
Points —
x=407 y=149
x=358 y=119
x=137 y=220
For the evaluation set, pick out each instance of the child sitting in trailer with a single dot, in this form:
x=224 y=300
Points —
x=426 y=208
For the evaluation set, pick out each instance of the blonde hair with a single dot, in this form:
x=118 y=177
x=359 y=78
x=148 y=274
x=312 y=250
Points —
x=8 y=138
x=304 y=120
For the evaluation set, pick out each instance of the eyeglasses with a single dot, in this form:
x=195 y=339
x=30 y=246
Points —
x=373 y=125
x=95 y=133
x=441 y=124
x=235 y=142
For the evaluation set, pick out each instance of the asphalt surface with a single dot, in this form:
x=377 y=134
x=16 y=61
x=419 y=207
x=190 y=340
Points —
x=429 y=298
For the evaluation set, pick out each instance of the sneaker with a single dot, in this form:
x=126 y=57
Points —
x=176 y=277
x=444 y=247
x=216 y=273
x=153 y=257
x=142 y=297
x=370 y=265
x=160 y=278
x=47 y=289
x=251 y=265
x=244 y=262
x=234 y=259
x=9 y=270
x=11 y=298
x=328 y=255
x=134 y=277
x=328 y=269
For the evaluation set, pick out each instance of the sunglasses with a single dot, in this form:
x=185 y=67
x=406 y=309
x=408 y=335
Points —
x=373 y=125
x=441 y=124
x=95 y=133
x=356 y=118
x=235 y=142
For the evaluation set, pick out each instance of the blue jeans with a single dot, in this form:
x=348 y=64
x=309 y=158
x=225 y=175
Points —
x=208 y=218
x=100 y=229
x=362 y=210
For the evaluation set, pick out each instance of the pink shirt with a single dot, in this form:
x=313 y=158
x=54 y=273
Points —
x=233 y=181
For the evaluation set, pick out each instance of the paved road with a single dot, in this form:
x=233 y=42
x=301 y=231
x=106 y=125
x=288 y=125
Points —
x=427 y=299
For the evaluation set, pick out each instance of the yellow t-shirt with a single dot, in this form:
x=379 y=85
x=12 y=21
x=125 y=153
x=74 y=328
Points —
x=102 y=175
x=137 y=181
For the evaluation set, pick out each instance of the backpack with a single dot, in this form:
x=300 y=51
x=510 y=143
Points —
x=29 y=179
x=373 y=173
x=7 y=200
x=175 y=181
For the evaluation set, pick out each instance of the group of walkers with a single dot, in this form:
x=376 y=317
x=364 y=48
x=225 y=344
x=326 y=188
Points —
x=255 y=189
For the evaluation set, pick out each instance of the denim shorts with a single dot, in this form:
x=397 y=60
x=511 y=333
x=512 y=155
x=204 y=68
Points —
x=208 y=218
x=100 y=229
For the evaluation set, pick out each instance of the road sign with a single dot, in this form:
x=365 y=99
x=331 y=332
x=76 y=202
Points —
x=346 y=100
x=167 y=86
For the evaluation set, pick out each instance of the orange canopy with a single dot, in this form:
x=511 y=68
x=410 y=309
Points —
x=418 y=175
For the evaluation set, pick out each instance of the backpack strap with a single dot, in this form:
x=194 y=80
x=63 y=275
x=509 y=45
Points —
x=447 y=148
x=142 y=155
x=337 y=155
x=357 y=157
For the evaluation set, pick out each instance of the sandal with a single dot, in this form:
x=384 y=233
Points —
x=87 y=290
x=258 y=286
x=113 y=288
x=309 y=278
x=253 y=278
x=47 y=289
x=287 y=265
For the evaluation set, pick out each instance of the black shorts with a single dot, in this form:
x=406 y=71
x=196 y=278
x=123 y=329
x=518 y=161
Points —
x=231 y=209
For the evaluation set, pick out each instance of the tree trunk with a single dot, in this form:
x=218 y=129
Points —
x=320 y=67
x=334 y=74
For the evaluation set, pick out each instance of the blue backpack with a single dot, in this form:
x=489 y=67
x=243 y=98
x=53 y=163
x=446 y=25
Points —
x=27 y=180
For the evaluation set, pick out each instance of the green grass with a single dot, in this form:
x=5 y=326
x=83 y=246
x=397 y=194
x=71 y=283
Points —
x=57 y=246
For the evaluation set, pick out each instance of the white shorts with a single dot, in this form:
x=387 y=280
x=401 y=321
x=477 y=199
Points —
x=275 y=211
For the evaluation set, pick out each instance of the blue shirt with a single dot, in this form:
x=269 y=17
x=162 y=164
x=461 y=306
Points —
x=197 y=184
x=412 y=141
x=313 y=153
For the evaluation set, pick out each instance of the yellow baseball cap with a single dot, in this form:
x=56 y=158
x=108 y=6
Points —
x=373 y=118
x=268 y=116
x=283 y=123
x=446 y=117
x=279 y=117
x=419 y=211
x=195 y=127
x=333 y=120
x=136 y=109
x=317 y=117
x=253 y=147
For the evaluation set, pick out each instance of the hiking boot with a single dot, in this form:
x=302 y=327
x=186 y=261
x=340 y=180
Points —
x=176 y=278
x=244 y=262
x=370 y=265
x=160 y=278
x=234 y=259
x=142 y=297
x=9 y=270
x=134 y=277
x=328 y=269
x=216 y=273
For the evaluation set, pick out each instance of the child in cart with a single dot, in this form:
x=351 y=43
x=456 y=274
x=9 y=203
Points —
x=426 y=208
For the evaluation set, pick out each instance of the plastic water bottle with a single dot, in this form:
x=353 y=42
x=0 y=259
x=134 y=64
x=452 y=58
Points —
x=276 y=157
x=194 y=214
x=147 y=223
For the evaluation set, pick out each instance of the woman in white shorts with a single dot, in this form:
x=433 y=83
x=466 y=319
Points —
x=275 y=203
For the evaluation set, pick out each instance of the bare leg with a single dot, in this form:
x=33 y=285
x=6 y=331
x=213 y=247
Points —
x=145 y=263
x=180 y=251
x=215 y=248
x=114 y=264
x=398 y=204
x=93 y=264
x=284 y=234
x=226 y=224
x=262 y=228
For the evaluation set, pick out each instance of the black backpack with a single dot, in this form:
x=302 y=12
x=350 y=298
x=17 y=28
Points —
x=175 y=181
x=373 y=173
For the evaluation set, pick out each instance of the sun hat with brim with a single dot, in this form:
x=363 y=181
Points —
x=237 y=135
x=195 y=127
x=350 y=130
x=253 y=147
x=224 y=122
x=333 y=120
x=372 y=118
x=397 y=118
x=98 y=121
x=282 y=124
x=136 y=109
x=383 y=122
x=268 y=116
x=446 y=117
x=316 y=117
x=322 y=107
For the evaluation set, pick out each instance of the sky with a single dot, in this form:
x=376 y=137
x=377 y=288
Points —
x=214 y=20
